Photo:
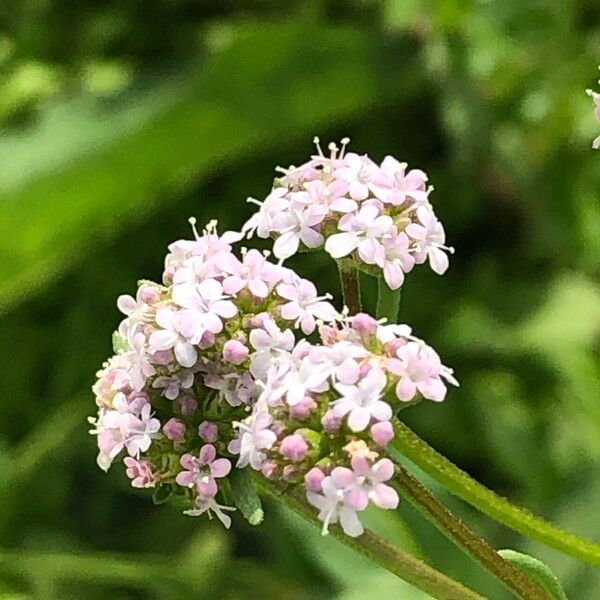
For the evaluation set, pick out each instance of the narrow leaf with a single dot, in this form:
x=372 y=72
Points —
x=245 y=497
x=537 y=571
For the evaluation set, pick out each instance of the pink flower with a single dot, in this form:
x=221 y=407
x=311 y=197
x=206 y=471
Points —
x=314 y=479
x=204 y=306
x=172 y=385
x=304 y=305
x=430 y=236
x=340 y=500
x=299 y=227
x=360 y=173
x=419 y=369
x=362 y=402
x=331 y=197
x=139 y=472
x=271 y=215
x=254 y=438
x=170 y=337
x=253 y=272
x=400 y=186
x=398 y=259
x=370 y=478
x=363 y=232
x=201 y=471
x=208 y=505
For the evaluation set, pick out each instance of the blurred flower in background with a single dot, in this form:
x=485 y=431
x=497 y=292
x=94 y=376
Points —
x=121 y=120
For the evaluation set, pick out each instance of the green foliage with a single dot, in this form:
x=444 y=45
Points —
x=125 y=124
x=536 y=571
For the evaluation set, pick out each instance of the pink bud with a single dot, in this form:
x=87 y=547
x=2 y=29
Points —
x=234 y=352
x=162 y=357
x=328 y=334
x=364 y=323
x=174 y=429
x=208 y=431
x=294 y=447
x=207 y=341
x=188 y=405
x=269 y=469
x=313 y=479
x=382 y=433
x=330 y=422
x=149 y=294
x=302 y=409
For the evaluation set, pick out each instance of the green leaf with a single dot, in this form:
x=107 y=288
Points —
x=537 y=571
x=162 y=493
x=119 y=343
x=245 y=497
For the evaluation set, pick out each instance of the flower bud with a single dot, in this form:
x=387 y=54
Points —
x=188 y=405
x=149 y=294
x=174 y=429
x=313 y=479
x=208 y=431
x=302 y=409
x=382 y=433
x=330 y=422
x=234 y=352
x=364 y=323
x=294 y=447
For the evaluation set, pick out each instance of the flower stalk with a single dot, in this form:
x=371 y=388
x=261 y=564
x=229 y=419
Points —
x=466 y=539
x=377 y=549
x=349 y=279
x=461 y=484
x=388 y=301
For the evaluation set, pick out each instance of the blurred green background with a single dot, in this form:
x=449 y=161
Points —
x=121 y=119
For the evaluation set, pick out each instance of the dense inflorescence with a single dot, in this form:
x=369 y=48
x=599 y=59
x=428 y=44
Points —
x=212 y=371
x=378 y=216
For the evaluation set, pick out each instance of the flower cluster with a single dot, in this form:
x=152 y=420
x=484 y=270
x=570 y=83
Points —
x=208 y=374
x=378 y=216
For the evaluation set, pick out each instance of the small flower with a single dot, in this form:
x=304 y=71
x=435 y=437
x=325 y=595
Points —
x=304 y=305
x=201 y=471
x=208 y=431
x=139 y=472
x=253 y=272
x=205 y=305
x=400 y=185
x=208 y=505
x=340 y=500
x=363 y=232
x=235 y=352
x=173 y=384
x=360 y=173
x=370 y=478
x=420 y=370
x=169 y=336
x=362 y=401
x=299 y=227
x=430 y=236
x=254 y=438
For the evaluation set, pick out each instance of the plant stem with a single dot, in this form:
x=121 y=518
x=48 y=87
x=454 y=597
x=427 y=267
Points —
x=464 y=486
x=466 y=539
x=401 y=564
x=388 y=301
x=350 y=286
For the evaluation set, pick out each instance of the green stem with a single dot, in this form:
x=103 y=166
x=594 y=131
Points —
x=464 y=486
x=370 y=545
x=388 y=301
x=350 y=286
x=463 y=537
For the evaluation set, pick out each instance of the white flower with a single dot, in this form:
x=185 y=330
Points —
x=209 y=505
x=304 y=305
x=170 y=337
x=362 y=401
x=205 y=305
x=362 y=231
x=338 y=503
x=254 y=438
x=430 y=237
